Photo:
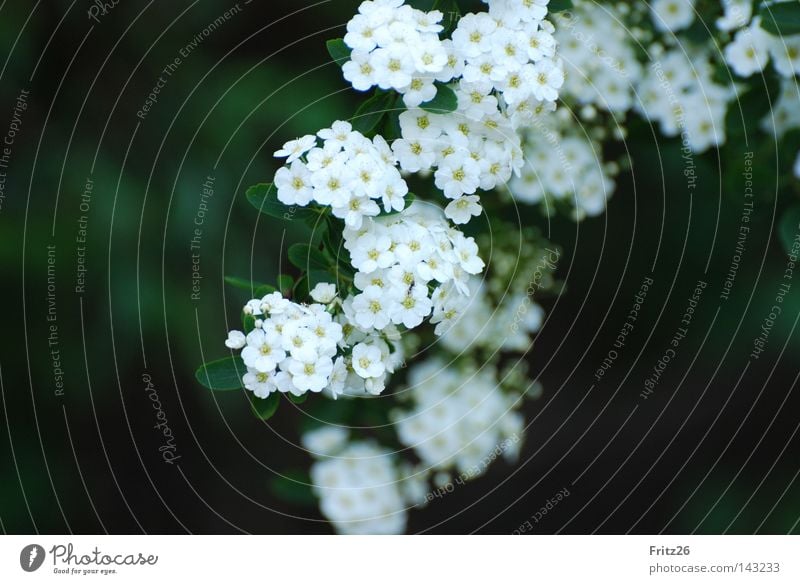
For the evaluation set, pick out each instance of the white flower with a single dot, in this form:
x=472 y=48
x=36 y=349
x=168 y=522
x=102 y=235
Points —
x=393 y=67
x=361 y=33
x=413 y=308
x=340 y=132
x=414 y=155
x=462 y=209
x=354 y=211
x=371 y=308
x=323 y=293
x=260 y=383
x=332 y=185
x=429 y=56
x=672 y=15
x=420 y=90
x=294 y=184
x=748 y=53
x=368 y=361
x=310 y=375
x=472 y=36
x=466 y=250
x=785 y=52
x=737 y=14
x=325 y=441
x=372 y=252
x=359 y=71
x=299 y=341
x=548 y=78
x=294 y=149
x=457 y=176
x=264 y=350
x=236 y=340
x=338 y=378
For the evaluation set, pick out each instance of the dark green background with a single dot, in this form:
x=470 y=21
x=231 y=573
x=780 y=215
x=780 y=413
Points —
x=715 y=448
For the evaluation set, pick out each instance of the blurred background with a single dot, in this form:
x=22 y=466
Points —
x=134 y=132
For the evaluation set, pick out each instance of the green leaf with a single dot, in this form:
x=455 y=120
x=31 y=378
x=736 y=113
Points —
x=559 y=5
x=369 y=115
x=264 y=408
x=392 y=129
x=452 y=14
x=223 y=374
x=305 y=257
x=301 y=290
x=248 y=322
x=788 y=227
x=297 y=399
x=244 y=284
x=339 y=52
x=745 y=113
x=781 y=18
x=264 y=197
x=444 y=102
x=293 y=487
x=424 y=5
x=285 y=284
x=319 y=277
x=265 y=289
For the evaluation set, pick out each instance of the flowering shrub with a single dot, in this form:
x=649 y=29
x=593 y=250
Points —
x=391 y=298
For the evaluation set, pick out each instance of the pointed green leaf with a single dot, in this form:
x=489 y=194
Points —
x=338 y=51
x=244 y=284
x=264 y=408
x=370 y=114
x=265 y=289
x=444 y=102
x=781 y=18
x=248 y=322
x=223 y=374
x=305 y=257
x=285 y=284
x=264 y=197
x=559 y=5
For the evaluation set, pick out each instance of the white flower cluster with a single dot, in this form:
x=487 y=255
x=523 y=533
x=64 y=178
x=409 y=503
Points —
x=473 y=148
x=502 y=66
x=600 y=59
x=358 y=484
x=679 y=93
x=785 y=113
x=672 y=15
x=395 y=46
x=564 y=165
x=507 y=327
x=410 y=265
x=349 y=172
x=459 y=417
x=510 y=49
x=753 y=47
x=297 y=348
x=677 y=90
